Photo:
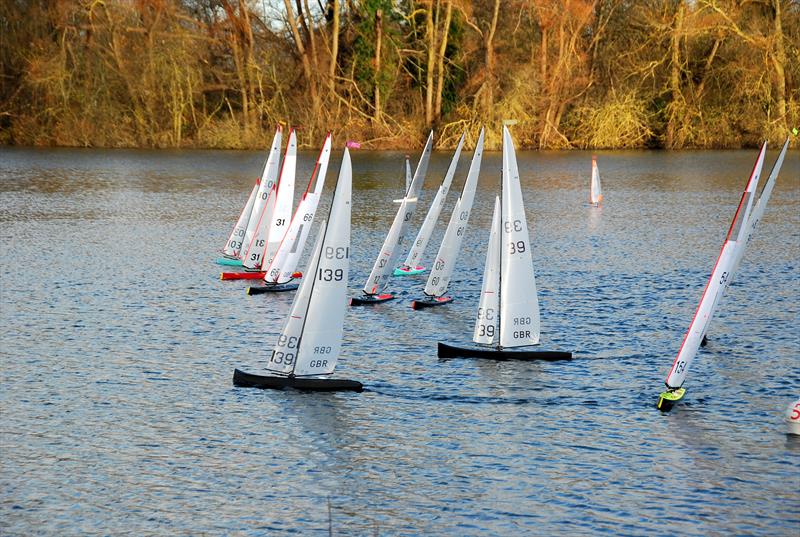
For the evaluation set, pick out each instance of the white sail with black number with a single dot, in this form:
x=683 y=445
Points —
x=717 y=282
x=311 y=340
x=488 y=307
x=268 y=179
x=234 y=244
x=428 y=225
x=284 y=201
x=445 y=260
x=595 y=193
x=387 y=257
x=291 y=248
x=519 y=305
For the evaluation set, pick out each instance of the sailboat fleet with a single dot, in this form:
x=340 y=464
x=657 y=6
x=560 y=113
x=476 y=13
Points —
x=268 y=241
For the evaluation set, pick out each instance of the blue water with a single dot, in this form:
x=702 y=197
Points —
x=118 y=342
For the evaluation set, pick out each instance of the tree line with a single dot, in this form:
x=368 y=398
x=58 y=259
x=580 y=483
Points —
x=569 y=73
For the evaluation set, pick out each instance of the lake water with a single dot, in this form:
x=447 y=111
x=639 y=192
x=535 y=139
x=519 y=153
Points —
x=118 y=342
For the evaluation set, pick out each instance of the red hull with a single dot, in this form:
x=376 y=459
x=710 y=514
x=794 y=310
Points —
x=250 y=275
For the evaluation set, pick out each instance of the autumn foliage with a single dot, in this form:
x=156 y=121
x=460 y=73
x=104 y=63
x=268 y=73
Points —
x=570 y=73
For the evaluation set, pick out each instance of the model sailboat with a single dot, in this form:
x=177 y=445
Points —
x=595 y=193
x=508 y=312
x=410 y=265
x=248 y=220
x=234 y=245
x=443 y=267
x=263 y=238
x=732 y=248
x=308 y=348
x=387 y=257
x=281 y=271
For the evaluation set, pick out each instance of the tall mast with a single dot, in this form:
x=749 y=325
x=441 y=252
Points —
x=500 y=250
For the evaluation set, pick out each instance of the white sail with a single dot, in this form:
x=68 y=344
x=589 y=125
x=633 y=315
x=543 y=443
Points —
x=284 y=355
x=268 y=179
x=254 y=254
x=291 y=248
x=284 y=202
x=445 y=261
x=717 y=282
x=519 y=305
x=426 y=230
x=408 y=173
x=758 y=209
x=488 y=307
x=739 y=225
x=387 y=257
x=234 y=244
x=596 y=194
x=311 y=340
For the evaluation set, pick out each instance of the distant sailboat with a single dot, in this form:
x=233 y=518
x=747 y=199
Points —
x=281 y=271
x=715 y=288
x=245 y=228
x=410 y=265
x=508 y=312
x=409 y=177
x=595 y=193
x=445 y=260
x=387 y=257
x=309 y=345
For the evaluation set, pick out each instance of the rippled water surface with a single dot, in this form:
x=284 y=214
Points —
x=118 y=342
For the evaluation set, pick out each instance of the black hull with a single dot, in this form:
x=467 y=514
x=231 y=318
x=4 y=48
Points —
x=430 y=302
x=448 y=351
x=368 y=300
x=248 y=380
x=278 y=288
